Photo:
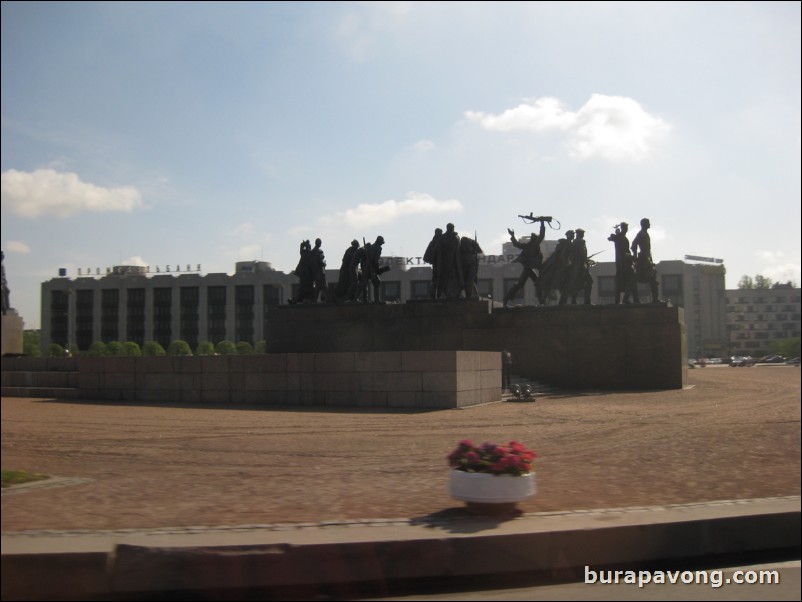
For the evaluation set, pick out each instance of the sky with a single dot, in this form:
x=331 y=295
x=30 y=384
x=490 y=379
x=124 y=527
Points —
x=204 y=134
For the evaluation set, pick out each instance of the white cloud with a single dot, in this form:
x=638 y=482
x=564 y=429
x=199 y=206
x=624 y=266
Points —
x=770 y=256
x=783 y=273
x=610 y=127
x=243 y=229
x=135 y=260
x=48 y=192
x=16 y=246
x=367 y=215
x=362 y=30
x=423 y=146
x=778 y=267
x=249 y=252
x=542 y=114
x=301 y=230
x=615 y=127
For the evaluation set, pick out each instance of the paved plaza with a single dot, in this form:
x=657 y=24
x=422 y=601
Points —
x=732 y=433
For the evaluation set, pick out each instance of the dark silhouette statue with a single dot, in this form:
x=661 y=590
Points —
x=359 y=265
x=6 y=298
x=579 y=279
x=531 y=260
x=430 y=257
x=624 y=266
x=449 y=265
x=469 y=251
x=305 y=272
x=346 y=280
x=317 y=265
x=554 y=273
x=369 y=258
x=645 y=270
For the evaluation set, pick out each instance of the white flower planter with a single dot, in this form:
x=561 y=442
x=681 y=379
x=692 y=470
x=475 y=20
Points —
x=484 y=488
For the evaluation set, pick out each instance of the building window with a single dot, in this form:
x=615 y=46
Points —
x=84 y=318
x=109 y=315
x=162 y=316
x=189 y=301
x=244 y=300
x=216 y=303
x=272 y=295
x=59 y=321
x=672 y=290
x=485 y=287
x=135 y=316
x=391 y=291
x=419 y=289
x=605 y=285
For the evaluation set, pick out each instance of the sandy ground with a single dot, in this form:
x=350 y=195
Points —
x=733 y=433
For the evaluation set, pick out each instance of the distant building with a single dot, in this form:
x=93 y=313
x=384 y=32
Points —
x=756 y=317
x=696 y=287
x=134 y=304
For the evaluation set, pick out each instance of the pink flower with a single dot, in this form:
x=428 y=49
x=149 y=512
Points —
x=513 y=459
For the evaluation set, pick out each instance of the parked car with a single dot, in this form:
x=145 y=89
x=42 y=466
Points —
x=794 y=361
x=739 y=361
x=772 y=359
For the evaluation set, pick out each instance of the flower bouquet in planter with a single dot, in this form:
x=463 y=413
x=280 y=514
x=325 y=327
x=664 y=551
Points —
x=492 y=478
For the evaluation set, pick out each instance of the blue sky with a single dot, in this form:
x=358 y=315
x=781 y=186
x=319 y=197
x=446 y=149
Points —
x=211 y=133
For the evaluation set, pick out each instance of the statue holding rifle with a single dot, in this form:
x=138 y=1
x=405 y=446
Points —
x=530 y=258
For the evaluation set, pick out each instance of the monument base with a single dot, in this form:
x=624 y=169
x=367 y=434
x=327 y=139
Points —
x=13 y=327
x=572 y=346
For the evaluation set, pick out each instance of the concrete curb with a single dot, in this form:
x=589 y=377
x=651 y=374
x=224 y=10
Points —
x=81 y=564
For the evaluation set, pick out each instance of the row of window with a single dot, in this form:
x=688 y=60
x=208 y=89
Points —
x=780 y=335
x=776 y=299
x=762 y=318
x=752 y=309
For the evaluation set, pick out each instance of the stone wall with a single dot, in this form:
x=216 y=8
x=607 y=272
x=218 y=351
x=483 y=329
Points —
x=12 y=334
x=408 y=379
x=577 y=346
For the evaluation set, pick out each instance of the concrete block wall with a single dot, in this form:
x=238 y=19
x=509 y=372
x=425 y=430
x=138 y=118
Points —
x=11 y=333
x=37 y=376
x=572 y=346
x=392 y=379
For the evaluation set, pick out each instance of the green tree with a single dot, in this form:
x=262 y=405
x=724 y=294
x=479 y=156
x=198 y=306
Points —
x=226 y=348
x=179 y=348
x=152 y=348
x=244 y=348
x=746 y=282
x=55 y=350
x=204 y=348
x=762 y=282
x=788 y=347
x=31 y=343
x=97 y=349
x=115 y=349
x=132 y=349
x=261 y=347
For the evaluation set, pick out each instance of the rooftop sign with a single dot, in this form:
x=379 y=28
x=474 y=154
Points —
x=703 y=259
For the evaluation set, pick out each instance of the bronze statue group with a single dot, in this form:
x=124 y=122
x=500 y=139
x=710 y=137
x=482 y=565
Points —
x=564 y=275
x=633 y=263
x=455 y=265
x=361 y=267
